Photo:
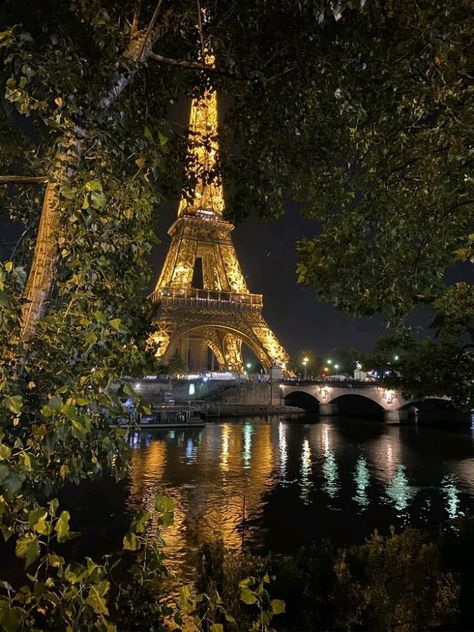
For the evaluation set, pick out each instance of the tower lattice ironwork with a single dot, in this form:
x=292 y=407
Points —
x=222 y=314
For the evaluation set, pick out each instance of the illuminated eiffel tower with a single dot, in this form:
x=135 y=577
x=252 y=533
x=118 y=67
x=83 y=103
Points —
x=220 y=314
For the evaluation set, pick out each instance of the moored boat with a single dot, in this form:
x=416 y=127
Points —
x=165 y=416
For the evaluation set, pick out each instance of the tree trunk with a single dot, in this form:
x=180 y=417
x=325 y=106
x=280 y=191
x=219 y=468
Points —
x=43 y=266
x=41 y=276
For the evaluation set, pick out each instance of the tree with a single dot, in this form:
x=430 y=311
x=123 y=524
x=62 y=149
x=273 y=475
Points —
x=344 y=358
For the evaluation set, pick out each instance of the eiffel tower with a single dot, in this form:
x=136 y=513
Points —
x=222 y=314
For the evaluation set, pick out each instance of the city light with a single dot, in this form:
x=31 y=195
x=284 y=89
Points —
x=329 y=361
x=305 y=363
x=336 y=366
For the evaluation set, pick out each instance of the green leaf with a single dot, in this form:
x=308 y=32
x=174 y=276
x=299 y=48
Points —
x=5 y=452
x=69 y=411
x=96 y=601
x=278 y=606
x=148 y=135
x=93 y=185
x=28 y=548
x=216 y=627
x=165 y=506
x=139 y=521
x=53 y=506
x=163 y=139
x=247 y=596
x=62 y=526
x=130 y=542
x=9 y=617
x=13 y=403
x=116 y=323
x=13 y=482
x=9 y=266
x=100 y=317
x=98 y=199
x=37 y=520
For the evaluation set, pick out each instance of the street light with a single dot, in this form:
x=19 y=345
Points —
x=396 y=358
x=249 y=365
x=329 y=361
x=336 y=366
x=305 y=362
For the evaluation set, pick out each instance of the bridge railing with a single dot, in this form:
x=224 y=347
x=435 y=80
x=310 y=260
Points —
x=202 y=299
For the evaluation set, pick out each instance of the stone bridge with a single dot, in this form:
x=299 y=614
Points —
x=365 y=399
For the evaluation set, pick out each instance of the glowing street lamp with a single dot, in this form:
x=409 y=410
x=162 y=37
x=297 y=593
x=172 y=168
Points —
x=249 y=366
x=336 y=366
x=396 y=358
x=329 y=362
x=305 y=364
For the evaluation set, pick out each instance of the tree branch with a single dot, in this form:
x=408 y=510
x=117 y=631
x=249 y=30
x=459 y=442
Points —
x=149 y=29
x=23 y=179
x=191 y=65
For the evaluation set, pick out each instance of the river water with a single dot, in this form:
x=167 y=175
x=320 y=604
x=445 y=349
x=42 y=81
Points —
x=296 y=482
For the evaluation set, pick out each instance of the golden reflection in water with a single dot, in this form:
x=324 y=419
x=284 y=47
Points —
x=305 y=478
x=225 y=447
x=214 y=507
x=282 y=450
x=361 y=478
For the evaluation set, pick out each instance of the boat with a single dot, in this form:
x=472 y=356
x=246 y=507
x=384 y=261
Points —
x=165 y=416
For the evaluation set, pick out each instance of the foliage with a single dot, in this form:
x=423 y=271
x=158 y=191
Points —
x=448 y=359
x=389 y=583
x=394 y=583
x=239 y=586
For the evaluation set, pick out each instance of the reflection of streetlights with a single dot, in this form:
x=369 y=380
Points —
x=305 y=363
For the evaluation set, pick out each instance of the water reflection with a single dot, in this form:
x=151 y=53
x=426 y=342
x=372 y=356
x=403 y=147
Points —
x=399 y=491
x=282 y=450
x=225 y=447
x=330 y=473
x=290 y=475
x=247 y=452
x=305 y=479
x=361 y=478
x=451 y=495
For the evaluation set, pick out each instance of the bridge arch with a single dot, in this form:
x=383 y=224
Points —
x=429 y=403
x=302 y=399
x=357 y=405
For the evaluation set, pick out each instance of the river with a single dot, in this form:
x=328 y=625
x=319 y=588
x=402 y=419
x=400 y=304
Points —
x=296 y=482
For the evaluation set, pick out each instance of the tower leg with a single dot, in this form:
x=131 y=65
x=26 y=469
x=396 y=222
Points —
x=233 y=353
